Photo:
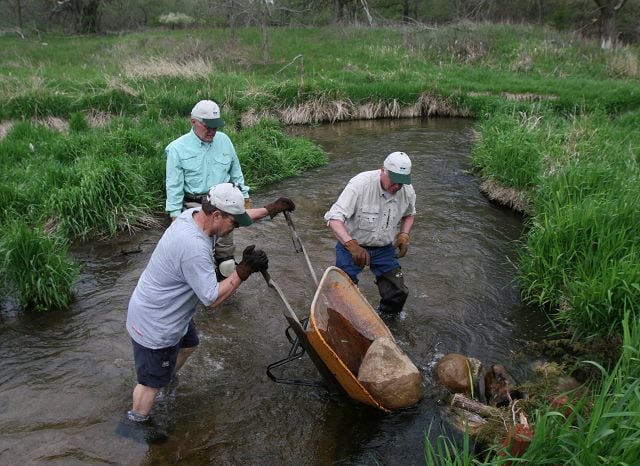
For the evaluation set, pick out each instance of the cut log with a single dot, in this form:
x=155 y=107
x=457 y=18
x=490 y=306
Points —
x=461 y=401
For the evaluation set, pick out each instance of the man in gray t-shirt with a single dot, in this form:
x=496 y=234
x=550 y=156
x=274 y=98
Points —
x=181 y=273
x=370 y=210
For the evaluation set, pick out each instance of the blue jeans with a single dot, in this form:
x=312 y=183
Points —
x=382 y=260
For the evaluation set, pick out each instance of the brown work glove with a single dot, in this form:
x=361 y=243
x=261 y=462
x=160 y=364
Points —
x=253 y=260
x=247 y=203
x=359 y=254
x=282 y=204
x=402 y=243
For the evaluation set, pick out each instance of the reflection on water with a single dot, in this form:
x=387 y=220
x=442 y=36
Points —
x=67 y=377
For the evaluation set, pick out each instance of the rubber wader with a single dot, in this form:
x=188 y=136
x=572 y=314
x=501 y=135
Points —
x=393 y=292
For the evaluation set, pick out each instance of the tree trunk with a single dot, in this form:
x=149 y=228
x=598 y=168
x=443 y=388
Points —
x=338 y=11
x=607 y=21
x=264 y=25
x=405 y=11
x=19 y=15
x=90 y=17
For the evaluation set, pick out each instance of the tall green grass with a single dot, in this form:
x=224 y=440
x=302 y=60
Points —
x=268 y=155
x=603 y=428
x=97 y=182
x=35 y=267
x=582 y=247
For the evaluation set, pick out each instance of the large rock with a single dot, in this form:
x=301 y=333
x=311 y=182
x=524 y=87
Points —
x=389 y=375
x=457 y=373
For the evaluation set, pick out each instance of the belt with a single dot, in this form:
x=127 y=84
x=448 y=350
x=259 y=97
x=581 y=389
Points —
x=188 y=197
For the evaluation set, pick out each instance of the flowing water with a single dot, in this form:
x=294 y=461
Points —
x=66 y=377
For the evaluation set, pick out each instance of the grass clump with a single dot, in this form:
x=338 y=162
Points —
x=97 y=182
x=36 y=267
x=582 y=252
x=268 y=155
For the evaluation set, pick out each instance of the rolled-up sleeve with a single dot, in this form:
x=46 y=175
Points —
x=174 y=182
x=236 y=174
x=345 y=206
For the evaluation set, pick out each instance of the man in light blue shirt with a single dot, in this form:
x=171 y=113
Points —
x=198 y=161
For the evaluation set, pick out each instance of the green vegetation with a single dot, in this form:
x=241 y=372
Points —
x=35 y=264
x=603 y=428
x=85 y=120
x=582 y=175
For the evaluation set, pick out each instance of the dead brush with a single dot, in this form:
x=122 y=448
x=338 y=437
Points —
x=623 y=63
x=155 y=68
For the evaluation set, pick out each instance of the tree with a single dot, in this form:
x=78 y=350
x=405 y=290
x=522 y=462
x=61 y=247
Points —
x=607 y=21
x=85 y=14
x=18 y=9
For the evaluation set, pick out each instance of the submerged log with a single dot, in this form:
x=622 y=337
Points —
x=466 y=421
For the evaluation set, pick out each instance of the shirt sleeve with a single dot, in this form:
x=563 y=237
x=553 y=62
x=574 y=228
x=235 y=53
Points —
x=174 y=182
x=345 y=206
x=235 y=171
x=198 y=271
x=411 y=208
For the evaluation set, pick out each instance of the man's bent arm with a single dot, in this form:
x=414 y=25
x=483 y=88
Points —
x=407 y=223
x=339 y=230
x=174 y=184
x=225 y=288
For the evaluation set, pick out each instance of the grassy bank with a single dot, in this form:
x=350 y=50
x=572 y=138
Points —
x=84 y=121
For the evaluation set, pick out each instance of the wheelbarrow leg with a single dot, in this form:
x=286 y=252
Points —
x=329 y=380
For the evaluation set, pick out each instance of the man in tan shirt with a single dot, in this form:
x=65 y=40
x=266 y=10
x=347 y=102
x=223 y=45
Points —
x=372 y=217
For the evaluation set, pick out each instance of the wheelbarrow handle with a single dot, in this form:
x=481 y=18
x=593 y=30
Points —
x=271 y=284
x=299 y=247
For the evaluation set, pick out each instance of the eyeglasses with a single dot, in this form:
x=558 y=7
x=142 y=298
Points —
x=203 y=124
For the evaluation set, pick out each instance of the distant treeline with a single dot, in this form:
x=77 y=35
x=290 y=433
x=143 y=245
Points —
x=613 y=21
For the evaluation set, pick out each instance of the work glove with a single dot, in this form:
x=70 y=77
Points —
x=247 y=203
x=402 y=243
x=282 y=204
x=253 y=260
x=359 y=254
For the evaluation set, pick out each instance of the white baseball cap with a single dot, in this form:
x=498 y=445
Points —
x=229 y=199
x=398 y=166
x=208 y=112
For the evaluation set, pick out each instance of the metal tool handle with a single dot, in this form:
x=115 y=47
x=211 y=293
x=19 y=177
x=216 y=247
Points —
x=299 y=247
x=274 y=285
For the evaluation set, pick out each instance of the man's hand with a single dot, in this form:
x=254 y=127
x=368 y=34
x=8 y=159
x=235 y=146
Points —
x=247 y=203
x=253 y=260
x=359 y=254
x=402 y=243
x=282 y=204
